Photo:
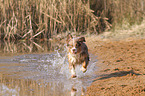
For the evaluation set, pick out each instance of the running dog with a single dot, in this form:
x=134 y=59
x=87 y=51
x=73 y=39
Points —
x=77 y=53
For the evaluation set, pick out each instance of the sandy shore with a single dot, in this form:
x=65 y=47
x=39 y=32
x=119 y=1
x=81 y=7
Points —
x=121 y=67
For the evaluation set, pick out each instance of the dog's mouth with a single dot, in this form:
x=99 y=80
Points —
x=74 y=52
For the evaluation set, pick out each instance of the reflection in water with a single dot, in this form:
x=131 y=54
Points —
x=42 y=75
x=21 y=87
x=28 y=46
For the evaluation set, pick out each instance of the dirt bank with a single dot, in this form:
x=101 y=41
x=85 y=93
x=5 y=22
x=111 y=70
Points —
x=122 y=67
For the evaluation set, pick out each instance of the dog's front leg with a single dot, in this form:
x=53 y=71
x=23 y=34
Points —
x=84 y=66
x=72 y=70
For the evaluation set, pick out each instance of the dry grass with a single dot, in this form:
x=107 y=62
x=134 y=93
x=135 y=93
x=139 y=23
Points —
x=120 y=12
x=34 y=18
x=135 y=31
x=28 y=19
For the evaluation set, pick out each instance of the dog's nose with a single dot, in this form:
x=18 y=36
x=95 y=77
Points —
x=73 y=50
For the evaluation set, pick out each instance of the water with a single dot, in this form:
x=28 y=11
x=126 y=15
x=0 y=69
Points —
x=43 y=75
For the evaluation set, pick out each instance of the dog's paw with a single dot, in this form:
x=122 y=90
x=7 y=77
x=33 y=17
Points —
x=73 y=76
x=83 y=69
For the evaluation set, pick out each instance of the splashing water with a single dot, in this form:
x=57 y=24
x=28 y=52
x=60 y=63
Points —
x=55 y=64
x=54 y=68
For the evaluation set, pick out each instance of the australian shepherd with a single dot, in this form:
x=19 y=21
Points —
x=77 y=53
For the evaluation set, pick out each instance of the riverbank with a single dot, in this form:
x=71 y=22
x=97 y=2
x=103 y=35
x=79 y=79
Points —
x=121 y=66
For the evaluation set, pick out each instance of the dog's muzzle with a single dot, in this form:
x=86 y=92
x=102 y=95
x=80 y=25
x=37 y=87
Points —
x=74 y=50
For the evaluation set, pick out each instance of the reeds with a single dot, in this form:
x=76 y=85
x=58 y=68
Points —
x=44 y=18
x=28 y=19
x=120 y=13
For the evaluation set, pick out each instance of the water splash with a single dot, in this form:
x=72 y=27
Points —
x=54 y=70
x=56 y=64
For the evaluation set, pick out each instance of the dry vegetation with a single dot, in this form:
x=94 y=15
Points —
x=28 y=19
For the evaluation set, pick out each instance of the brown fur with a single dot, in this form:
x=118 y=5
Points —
x=77 y=53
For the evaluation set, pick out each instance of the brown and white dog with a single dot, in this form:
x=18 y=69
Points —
x=77 y=53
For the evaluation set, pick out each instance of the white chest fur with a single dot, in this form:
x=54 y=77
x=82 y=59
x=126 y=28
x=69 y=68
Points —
x=73 y=58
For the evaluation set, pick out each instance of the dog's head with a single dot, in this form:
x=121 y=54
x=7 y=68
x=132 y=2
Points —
x=74 y=44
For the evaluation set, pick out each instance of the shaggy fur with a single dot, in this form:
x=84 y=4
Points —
x=77 y=53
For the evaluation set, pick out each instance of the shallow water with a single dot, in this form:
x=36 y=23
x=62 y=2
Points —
x=45 y=74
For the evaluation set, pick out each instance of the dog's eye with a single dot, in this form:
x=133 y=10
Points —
x=68 y=45
x=78 y=44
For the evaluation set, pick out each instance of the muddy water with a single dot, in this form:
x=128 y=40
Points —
x=41 y=73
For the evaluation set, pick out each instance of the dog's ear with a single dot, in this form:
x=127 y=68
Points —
x=69 y=37
x=82 y=39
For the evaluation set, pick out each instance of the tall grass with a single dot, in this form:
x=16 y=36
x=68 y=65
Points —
x=44 y=18
x=28 y=19
x=120 y=12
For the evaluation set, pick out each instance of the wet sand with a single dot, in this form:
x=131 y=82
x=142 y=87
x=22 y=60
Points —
x=121 y=69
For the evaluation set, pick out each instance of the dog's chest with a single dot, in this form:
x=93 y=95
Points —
x=74 y=59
